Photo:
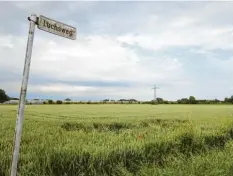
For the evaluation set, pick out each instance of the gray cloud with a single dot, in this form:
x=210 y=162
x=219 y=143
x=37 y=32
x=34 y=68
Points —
x=121 y=45
x=114 y=18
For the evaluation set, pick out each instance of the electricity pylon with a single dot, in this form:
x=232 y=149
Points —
x=155 y=100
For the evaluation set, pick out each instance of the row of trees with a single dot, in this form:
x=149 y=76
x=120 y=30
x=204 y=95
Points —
x=191 y=100
x=106 y=101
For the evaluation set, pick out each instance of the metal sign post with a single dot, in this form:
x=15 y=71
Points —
x=47 y=25
x=22 y=99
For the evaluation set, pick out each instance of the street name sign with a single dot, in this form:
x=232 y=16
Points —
x=48 y=25
x=57 y=28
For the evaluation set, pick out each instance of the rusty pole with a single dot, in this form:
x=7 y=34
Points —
x=20 y=114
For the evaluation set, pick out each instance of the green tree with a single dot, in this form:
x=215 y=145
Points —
x=226 y=100
x=192 y=100
x=183 y=101
x=216 y=101
x=159 y=100
x=231 y=99
x=165 y=102
x=154 y=102
x=59 y=102
x=50 y=101
x=3 y=96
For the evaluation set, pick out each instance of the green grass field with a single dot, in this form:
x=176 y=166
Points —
x=68 y=140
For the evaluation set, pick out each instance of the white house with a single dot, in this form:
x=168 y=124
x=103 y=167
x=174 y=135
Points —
x=35 y=101
x=12 y=102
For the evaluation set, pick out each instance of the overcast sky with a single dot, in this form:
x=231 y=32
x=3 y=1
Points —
x=122 y=50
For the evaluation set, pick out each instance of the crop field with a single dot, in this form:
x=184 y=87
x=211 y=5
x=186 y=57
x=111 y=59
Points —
x=120 y=140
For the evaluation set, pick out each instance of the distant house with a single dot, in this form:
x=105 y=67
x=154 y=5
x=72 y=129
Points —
x=46 y=101
x=123 y=101
x=11 y=102
x=35 y=101
x=127 y=101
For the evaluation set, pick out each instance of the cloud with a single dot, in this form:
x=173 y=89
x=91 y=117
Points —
x=91 y=59
x=184 y=33
x=122 y=49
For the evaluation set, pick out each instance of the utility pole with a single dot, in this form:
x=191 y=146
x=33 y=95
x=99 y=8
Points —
x=155 y=92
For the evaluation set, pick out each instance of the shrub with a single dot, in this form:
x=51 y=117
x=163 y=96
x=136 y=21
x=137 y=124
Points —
x=59 y=102
x=50 y=101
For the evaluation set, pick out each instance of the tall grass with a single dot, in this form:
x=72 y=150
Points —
x=119 y=140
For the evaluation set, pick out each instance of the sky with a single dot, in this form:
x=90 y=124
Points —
x=122 y=49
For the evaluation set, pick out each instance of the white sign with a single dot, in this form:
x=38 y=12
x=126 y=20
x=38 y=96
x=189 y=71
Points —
x=51 y=26
x=57 y=28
